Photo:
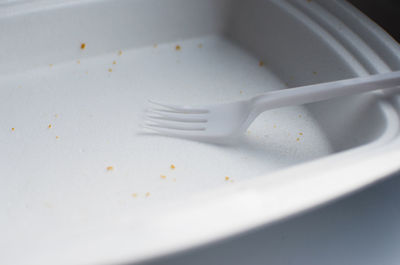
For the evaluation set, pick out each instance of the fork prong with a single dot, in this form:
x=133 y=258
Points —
x=184 y=109
x=176 y=119
x=171 y=132
x=179 y=117
x=172 y=126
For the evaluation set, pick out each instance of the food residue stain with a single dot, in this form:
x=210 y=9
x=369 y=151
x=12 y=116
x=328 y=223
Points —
x=147 y=194
x=172 y=166
x=109 y=70
x=134 y=195
x=83 y=46
x=261 y=64
x=119 y=52
x=110 y=168
x=178 y=47
x=226 y=178
x=163 y=176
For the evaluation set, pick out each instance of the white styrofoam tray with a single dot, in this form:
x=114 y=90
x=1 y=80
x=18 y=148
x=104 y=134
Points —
x=67 y=114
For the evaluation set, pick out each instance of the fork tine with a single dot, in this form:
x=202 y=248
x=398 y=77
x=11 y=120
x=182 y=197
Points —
x=171 y=132
x=179 y=108
x=179 y=117
x=171 y=126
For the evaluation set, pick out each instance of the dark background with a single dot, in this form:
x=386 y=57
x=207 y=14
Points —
x=385 y=13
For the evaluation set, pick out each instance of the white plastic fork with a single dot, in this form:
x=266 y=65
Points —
x=222 y=123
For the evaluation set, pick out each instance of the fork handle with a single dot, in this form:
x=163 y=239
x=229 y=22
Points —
x=323 y=91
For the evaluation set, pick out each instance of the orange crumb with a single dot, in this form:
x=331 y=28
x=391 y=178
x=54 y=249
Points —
x=261 y=63
x=110 y=168
x=114 y=62
x=83 y=46
x=155 y=45
x=78 y=62
x=172 y=166
x=12 y=129
x=147 y=194
x=226 y=178
x=110 y=70
x=300 y=133
x=163 y=176
x=200 y=45
x=120 y=53
x=178 y=47
x=49 y=126
x=57 y=137
x=134 y=195
x=298 y=139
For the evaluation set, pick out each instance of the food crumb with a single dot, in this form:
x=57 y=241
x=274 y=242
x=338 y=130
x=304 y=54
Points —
x=49 y=126
x=57 y=137
x=155 y=45
x=301 y=133
x=78 y=62
x=226 y=178
x=178 y=47
x=12 y=129
x=261 y=64
x=298 y=139
x=56 y=116
x=114 y=62
x=110 y=168
x=174 y=179
x=241 y=92
x=134 y=195
x=147 y=194
x=119 y=52
x=172 y=166
x=83 y=46
x=51 y=65
x=274 y=125
x=86 y=72
x=163 y=176
x=299 y=116
x=314 y=72
x=110 y=70
x=200 y=45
